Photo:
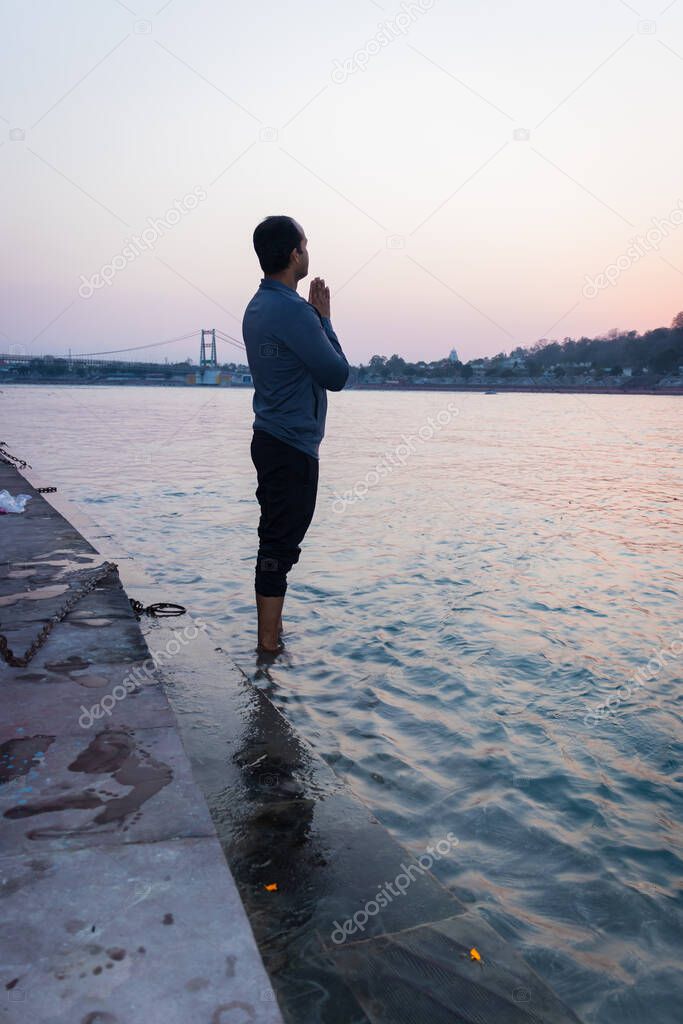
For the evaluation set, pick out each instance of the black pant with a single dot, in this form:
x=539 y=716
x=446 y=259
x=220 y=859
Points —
x=287 y=490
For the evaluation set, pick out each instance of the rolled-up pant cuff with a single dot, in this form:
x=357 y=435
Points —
x=270 y=578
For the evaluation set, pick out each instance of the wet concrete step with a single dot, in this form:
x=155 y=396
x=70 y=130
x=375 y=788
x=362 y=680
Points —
x=116 y=903
x=285 y=818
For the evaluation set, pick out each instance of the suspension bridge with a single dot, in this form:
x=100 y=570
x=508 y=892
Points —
x=208 y=370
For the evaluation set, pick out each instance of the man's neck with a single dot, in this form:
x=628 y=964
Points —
x=283 y=278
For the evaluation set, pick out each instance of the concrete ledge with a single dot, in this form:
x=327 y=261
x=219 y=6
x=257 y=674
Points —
x=116 y=903
x=144 y=933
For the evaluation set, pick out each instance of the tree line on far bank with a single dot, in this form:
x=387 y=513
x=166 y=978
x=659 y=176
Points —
x=659 y=351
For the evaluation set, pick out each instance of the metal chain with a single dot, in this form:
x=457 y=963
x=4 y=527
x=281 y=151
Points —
x=159 y=610
x=21 y=661
x=10 y=459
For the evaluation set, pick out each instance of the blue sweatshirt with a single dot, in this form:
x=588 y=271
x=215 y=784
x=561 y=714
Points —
x=295 y=358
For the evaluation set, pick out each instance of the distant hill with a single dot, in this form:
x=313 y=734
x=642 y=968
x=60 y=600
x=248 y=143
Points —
x=657 y=352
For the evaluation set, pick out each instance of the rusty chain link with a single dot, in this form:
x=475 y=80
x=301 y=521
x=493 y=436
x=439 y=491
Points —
x=21 y=661
x=10 y=459
x=13 y=460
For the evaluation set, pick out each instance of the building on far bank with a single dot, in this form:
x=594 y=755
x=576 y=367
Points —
x=453 y=356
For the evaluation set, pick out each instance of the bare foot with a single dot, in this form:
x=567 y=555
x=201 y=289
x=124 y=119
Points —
x=270 y=641
x=265 y=657
x=269 y=648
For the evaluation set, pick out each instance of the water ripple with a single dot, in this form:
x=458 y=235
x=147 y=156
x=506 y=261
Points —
x=447 y=636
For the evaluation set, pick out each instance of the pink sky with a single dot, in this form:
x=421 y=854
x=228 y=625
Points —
x=459 y=171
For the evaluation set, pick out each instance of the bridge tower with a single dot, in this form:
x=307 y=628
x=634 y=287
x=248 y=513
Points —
x=208 y=361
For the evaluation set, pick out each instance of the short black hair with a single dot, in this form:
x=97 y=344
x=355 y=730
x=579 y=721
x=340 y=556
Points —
x=274 y=239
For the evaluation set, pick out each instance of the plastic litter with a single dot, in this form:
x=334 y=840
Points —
x=13 y=504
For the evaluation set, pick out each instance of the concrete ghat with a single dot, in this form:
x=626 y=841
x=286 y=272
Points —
x=282 y=816
x=116 y=903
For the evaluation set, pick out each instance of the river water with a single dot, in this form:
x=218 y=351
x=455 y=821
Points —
x=483 y=572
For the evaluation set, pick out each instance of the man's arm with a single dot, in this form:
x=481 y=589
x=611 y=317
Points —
x=312 y=339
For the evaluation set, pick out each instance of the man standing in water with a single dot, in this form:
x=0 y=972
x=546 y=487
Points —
x=295 y=358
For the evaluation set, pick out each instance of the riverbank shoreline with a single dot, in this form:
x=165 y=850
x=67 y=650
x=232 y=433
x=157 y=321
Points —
x=475 y=389
x=517 y=389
